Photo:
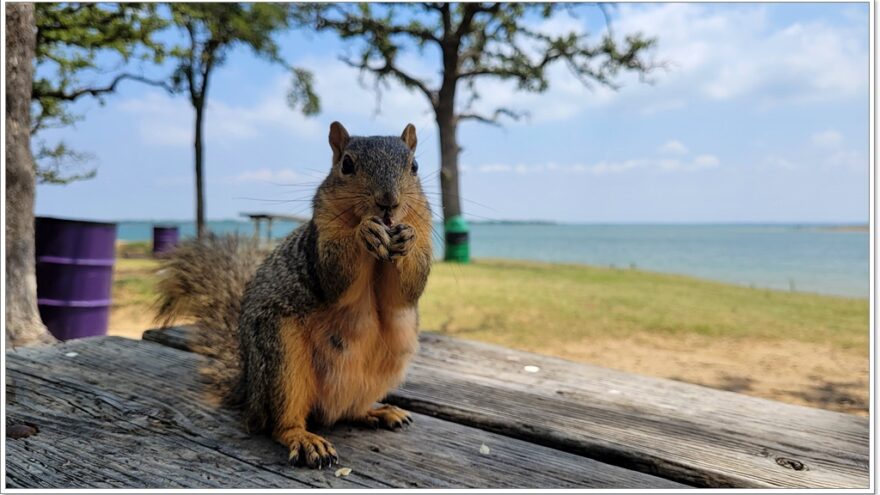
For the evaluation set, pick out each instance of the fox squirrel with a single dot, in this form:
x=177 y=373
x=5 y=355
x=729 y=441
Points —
x=326 y=324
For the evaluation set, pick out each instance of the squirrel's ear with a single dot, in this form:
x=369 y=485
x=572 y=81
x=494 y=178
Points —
x=338 y=140
x=409 y=136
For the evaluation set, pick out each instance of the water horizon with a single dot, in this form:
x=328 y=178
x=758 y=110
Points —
x=830 y=258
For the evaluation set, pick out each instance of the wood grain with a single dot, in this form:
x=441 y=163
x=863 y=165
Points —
x=111 y=412
x=679 y=431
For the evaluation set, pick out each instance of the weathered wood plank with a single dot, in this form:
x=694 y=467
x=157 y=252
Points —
x=679 y=431
x=114 y=412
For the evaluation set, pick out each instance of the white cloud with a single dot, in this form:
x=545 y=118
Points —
x=677 y=165
x=778 y=162
x=674 y=147
x=283 y=176
x=652 y=108
x=852 y=160
x=827 y=139
x=494 y=168
x=706 y=161
x=736 y=52
x=272 y=111
x=604 y=167
x=165 y=120
x=343 y=97
x=828 y=151
x=161 y=120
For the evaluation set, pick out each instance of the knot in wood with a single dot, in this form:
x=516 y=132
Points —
x=791 y=463
x=17 y=431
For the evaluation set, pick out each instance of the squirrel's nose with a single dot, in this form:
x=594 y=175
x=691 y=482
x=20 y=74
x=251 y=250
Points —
x=387 y=200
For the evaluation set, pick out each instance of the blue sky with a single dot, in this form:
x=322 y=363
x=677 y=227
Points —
x=761 y=116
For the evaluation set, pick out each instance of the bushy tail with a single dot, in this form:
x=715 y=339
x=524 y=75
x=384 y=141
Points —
x=203 y=282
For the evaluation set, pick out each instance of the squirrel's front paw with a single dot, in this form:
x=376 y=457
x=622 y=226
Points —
x=402 y=236
x=376 y=237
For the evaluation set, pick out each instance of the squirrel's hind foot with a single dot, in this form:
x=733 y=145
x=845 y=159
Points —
x=308 y=449
x=386 y=416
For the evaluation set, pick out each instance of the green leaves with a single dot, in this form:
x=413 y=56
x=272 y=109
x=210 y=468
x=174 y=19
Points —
x=302 y=93
x=70 y=36
x=56 y=163
x=212 y=29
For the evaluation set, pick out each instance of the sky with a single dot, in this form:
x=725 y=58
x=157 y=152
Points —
x=761 y=114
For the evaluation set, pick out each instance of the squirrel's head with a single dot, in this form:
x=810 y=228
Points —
x=372 y=176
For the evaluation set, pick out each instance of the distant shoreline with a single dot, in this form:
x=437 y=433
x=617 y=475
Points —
x=841 y=228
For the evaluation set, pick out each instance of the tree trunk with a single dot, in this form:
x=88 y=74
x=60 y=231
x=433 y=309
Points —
x=23 y=324
x=200 y=189
x=447 y=124
x=449 y=165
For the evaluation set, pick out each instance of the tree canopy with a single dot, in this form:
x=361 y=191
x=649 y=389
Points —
x=479 y=40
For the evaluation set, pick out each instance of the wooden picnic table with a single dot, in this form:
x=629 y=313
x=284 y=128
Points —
x=115 y=412
x=258 y=218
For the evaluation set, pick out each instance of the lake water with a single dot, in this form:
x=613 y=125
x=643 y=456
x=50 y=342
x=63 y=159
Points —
x=786 y=257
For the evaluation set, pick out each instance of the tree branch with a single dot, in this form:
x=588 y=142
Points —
x=188 y=69
x=446 y=14
x=360 y=25
x=470 y=11
x=494 y=119
x=73 y=95
x=391 y=69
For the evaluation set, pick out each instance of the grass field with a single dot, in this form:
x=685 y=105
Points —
x=795 y=347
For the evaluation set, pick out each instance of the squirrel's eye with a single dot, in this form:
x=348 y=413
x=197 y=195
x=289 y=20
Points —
x=415 y=167
x=347 y=165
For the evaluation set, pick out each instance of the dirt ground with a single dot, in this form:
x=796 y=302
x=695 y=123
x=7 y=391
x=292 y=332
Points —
x=797 y=373
x=130 y=321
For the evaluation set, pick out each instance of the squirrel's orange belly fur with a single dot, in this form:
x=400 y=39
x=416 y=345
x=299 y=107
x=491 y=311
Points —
x=359 y=348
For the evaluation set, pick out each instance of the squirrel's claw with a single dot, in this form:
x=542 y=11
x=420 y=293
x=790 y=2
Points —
x=387 y=416
x=313 y=451
x=371 y=422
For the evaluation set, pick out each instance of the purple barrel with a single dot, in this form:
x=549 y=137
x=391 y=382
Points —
x=74 y=275
x=165 y=239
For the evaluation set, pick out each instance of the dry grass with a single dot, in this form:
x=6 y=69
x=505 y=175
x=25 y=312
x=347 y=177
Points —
x=799 y=348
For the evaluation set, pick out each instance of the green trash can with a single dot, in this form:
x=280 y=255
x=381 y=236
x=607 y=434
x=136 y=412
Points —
x=457 y=248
